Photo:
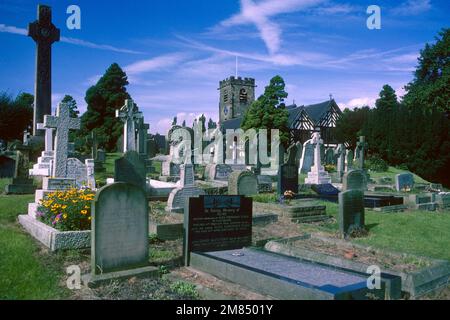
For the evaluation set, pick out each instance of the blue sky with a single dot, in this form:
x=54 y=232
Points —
x=175 y=52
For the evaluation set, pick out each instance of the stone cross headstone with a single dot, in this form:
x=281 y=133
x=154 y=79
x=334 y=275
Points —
x=404 y=182
x=317 y=175
x=44 y=33
x=48 y=136
x=354 y=180
x=131 y=169
x=119 y=232
x=142 y=134
x=129 y=114
x=62 y=122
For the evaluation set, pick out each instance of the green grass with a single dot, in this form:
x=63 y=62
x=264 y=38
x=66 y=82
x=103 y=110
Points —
x=25 y=274
x=100 y=177
x=3 y=183
x=421 y=233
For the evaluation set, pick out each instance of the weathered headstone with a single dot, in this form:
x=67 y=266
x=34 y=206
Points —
x=77 y=170
x=307 y=159
x=288 y=173
x=214 y=223
x=264 y=184
x=404 y=182
x=220 y=172
x=317 y=175
x=354 y=180
x=186 y=189
x=101 y=155
x=142 y=134
x=21 y=183
x=340 y=167
x=131 y=169
x=351 y=211
x=349 y=160
x=63 y=123
x=44 y=33
x=360 y=150
x=90 y=173
x=119 y=233
x=242 y=183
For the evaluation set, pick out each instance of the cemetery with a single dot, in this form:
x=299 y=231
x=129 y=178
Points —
x=165 y=216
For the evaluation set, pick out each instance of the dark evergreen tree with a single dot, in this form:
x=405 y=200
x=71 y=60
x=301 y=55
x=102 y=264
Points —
x=103 y=99
x=72 y=106
x=269 y=111
x=16 y=115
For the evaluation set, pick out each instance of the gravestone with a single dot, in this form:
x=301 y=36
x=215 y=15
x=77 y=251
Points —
x=219 y=172
x=44 y=33
x=340 y=167
x=360 y=150
x=242 y=183
x=77 y=170
x=264 y=184
x=21 y=183
x=90 y=173
x=354 y=180
x=349 y=160
x=119 y=233
x=186 y=189
x=129 y=115
x=329 y=157
x=307 y=159
x=131 y=169
x=317 y=175
x=101 y=155
x=215 y=223
x=7 y=167
x=288 y=173
x=44 y=164
x=351 y=211
x=326 y=189
x=63 y=123
x=404 y=182
x=142 y=134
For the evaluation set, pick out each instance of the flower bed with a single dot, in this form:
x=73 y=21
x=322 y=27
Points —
x=68 y=210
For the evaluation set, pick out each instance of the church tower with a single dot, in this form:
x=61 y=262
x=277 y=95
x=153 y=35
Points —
x=236 y=95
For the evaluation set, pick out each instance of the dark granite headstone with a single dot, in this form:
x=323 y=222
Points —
x=325 y=189
x=131 y=169
x=351 y=211
x=288 y=173
x=7 y=167
x=214 y=223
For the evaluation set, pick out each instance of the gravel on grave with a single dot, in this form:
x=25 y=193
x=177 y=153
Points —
x=398 y=262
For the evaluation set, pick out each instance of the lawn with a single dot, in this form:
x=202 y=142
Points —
x=422 y=233
x=25 y=272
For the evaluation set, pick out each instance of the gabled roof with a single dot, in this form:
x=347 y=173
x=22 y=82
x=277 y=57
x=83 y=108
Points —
x=314 y=111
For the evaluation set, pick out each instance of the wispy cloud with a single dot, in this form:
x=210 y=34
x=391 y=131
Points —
x=155 y=63
x=78 y=42
x=259 y=15
x=412 y=7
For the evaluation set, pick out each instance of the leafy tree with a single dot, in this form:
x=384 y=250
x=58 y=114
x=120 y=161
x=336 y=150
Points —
x=16 y=115
x=269 y=111
x=430 y=87
x=103 y=99
x=72 y=106
x=351 y=125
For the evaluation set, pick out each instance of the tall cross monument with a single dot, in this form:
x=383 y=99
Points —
x=44 y=33
x=129 y=115
x=62 y=122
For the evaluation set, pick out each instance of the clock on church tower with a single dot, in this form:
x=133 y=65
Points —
x=236 y=95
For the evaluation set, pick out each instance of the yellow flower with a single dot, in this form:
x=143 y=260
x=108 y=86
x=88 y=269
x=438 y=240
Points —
x=65 y=216
x=90 y=218
x=64 y=207
x=83 y=212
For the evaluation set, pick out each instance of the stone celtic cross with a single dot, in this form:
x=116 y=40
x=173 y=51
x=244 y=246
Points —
x=62 y=122
x=359 y=152
x=129 y=114
x=44 y=33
